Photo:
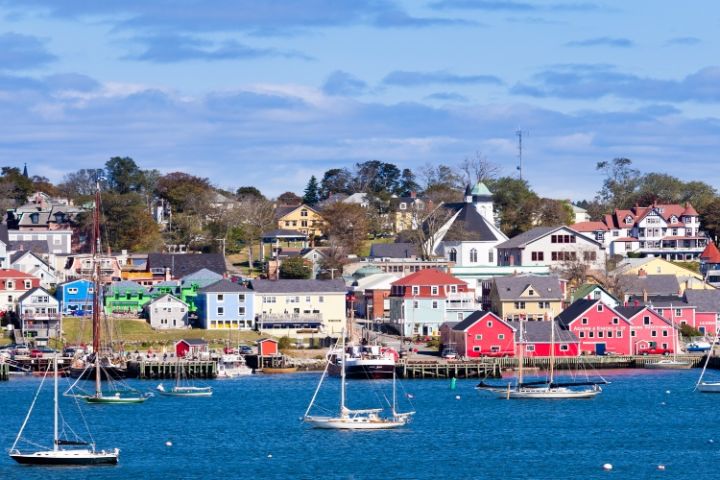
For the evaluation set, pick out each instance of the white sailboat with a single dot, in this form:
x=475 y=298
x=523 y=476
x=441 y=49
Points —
x=673 y=363
x=58 y=455
x=705 y=386
x=353 y=419
x=548 y=389
x=183 y=390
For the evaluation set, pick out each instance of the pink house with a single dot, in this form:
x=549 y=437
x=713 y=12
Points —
x=599 y=328
x=648 y=329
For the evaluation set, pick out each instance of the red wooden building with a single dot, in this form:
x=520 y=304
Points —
x=599 y=328
x=268 y=347
x=648 y=329
x=191 y=347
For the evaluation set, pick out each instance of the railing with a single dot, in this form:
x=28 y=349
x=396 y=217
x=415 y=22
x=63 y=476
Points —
x=289 y=317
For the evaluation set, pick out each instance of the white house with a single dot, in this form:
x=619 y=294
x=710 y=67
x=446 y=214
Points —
x=39 y=314
x=167 y=311
x=553 y=247
x=32 y=264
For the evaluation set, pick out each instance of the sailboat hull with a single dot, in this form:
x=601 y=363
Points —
x=339 y=423
x=545 y=393
x=669 y=365
x=106 y=373
x=709 y=387
x=114 y=400
x=67 y=457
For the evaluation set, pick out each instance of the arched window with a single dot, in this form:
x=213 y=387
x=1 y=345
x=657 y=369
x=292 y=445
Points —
x=473 y=256
x=453 y=255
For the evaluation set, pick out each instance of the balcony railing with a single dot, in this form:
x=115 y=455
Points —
x=290 y=317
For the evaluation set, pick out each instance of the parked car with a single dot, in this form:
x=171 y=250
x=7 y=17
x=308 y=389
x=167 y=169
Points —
x=699 y=346
x=655 y=351
x=39 y=352
x=22 y=350
x=246 y=350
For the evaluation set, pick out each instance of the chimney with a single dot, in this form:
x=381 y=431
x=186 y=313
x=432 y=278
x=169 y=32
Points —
x=642 y=273
x=167 y=274
x=413 y=194
x=644 y=295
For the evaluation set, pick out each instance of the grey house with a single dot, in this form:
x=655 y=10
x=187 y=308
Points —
x=167 y=312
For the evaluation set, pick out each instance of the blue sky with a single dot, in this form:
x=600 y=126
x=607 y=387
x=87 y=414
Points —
x=269 y=92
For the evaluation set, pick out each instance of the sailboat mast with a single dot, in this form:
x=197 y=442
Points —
x=342 y=375
x=394 y=399
x=56 y=413
x=552 y=349
x=96 y=286
x=521 y=356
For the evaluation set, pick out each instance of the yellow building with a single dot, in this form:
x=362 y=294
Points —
x=300 y=308
x=301 y=218
x=532 y=297
x=658 y=266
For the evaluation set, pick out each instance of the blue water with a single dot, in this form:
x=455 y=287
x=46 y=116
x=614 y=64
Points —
x=250 y=428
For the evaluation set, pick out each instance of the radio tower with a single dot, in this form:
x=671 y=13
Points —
x=519 y=134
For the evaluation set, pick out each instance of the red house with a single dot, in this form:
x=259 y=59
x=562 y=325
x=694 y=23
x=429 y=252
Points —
x=482 y=334
x=598 y=327
x=191 y=347
x=707 y=308
x=648 y=329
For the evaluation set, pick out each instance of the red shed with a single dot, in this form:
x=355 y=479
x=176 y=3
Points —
x=599 y=328
x=484 y=334
x=268 y=347
x=191 y=347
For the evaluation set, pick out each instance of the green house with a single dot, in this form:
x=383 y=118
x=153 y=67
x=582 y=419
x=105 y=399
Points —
x=125 y=297
x=190 y=284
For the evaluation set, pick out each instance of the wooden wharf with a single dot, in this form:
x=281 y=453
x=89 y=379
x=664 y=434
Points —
x=4 y=371
x=153 y=369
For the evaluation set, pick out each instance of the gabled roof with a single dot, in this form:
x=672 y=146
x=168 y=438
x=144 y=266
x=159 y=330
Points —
x=15 y=257
x=35 y=290
x=4 y=236
x=589 y=227
x=511 y=288
x=649 y=284
x=299 y=286
x=477 y=316
x=522 y=240
x=202 y=278
x=704 y=300
x=36 y=246
x=585 y=290
x=283 y=210
x=577 y=308
x=689 y=210
x=193 y=341
x=12 y=273
x=393 y=250
x=711 y=254
x=224 y=286
x=77 y=280
x=126 y=286
x=541 y=332
x=181 y=264
x=630 y=312
x=162 y=298
x=428 y=276
x=468 y=225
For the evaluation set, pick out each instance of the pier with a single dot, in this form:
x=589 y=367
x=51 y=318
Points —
x=162 y=370
x=435 y=369
x=4 y=371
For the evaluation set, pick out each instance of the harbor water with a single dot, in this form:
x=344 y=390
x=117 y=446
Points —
x=251 y=428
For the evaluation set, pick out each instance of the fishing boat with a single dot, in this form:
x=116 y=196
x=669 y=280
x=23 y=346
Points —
x=702 y=385
x=547 y=389
x=364 y=362
x=354 y=419
x=100 y=365
x=232 y=365
x=58 y=455
x=670 y=363
x=183 y=390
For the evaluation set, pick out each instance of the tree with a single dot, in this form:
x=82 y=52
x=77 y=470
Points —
x=123 y=175
x=442 y=183
x=710 y=219
x=295 y=268
x=517 y=206
x=247 y=192
x=425 y=237
x=657 y=187
x=312 y=192
x=20 y=186
x=126 y=223
x=82 y=183
x=621 y=183
x=184 y=192
x=331 y=265
x=249 y=221
x=336 y=180
x=699 y=194
x=288 y=199
x=346 y=225
x=376 y=177
x=478 y=169
x=553 y=213
x=408 y=183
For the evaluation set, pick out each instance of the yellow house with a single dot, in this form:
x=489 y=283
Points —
x=301 y=218
x=300 y=308
x=659 y=266
x=533 y=297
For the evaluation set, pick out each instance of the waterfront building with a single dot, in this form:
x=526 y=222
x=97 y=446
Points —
x=534 y=297
x=598 y=326
x=225 y=305
x=424 y=300
x=14 y=284
x=125 y=297
x=644 y=286
x=648 y=329
x=372 y=295
x=300 y=308
x=167 y=312
x=707 y=309
x=268 y=347
x=480 y=334
x=539 y=337
x=670 y=231
x=686 y=278
x=40 y=317
x=76 y=297
x=192 y=348
x=173 y=266
x=710 y=264
x=191 y=283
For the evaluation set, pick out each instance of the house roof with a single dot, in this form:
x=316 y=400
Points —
x=4 y=236
x=474 y=317
x=283 y=233
x=468 y=225
x=77 y=280
x=711 y=254
x=299 y=286
x=193 y=341
x=12 y=273
x=510 y=288
x=630 y=311
x=587 y=288
x=541 y=332
x=35 y=290
x=282 y=210
x=36 y=246
x=481 y=190
x=126 y=286
x=666 y=284
x=589 y=226
x=224 y=286
x=18 y=255
x=577 y=308
x=428 y=276
x=704 y=300
x=521 y=241
x=660 y=301
x=181 y=264
x=689 y=210
x=393 y=250
x=162 y=297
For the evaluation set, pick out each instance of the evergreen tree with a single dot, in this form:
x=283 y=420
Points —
x=312 y=192
x=408 y=183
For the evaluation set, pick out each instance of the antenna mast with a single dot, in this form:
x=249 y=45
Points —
x=519 y=134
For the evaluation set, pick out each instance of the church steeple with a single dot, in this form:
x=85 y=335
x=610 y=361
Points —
x=25 y=174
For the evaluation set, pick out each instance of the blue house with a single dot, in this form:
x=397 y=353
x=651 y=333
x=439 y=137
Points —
x=76 y=297
x=225 y=305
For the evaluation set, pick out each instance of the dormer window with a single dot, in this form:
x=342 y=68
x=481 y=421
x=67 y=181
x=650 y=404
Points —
x=303 y=213
x=34 y=218
x=629 y=220
x=673 y=219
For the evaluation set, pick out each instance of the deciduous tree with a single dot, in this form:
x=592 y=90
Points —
x=346 y=224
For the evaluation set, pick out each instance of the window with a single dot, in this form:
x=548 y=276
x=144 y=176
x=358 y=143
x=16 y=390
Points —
x=220 y=297
x=615 y=320
x=72 y=290
x=537 y=256
x=564 y=348
x=544 y=304
x=415 y=290
x=646 y=320
x=609 y=334
x=591 y=334
x=531 y=292
x=28 y=284
x=415 y=304
x=303 y=213
x=453 y=288
x=600 y=307
x=241 y=311
x=321 y=299
x=519 y=305
x=434 y=290
x=678 y=312
x=478 y=336
x=628 y=220
x=582 y=335
x=489 y=323
x=473 y=256
x=241 y=298
x=435 y=304
x=491 y=257
x=453 y=255
x=307 y=299
x=664 y=333
x=303 y=223
x=590 y=256
x=584 y=321
x=220 y=311
x=269 y=300
x=601 y=334
x=476 y=348
x=10 y=285
x=633 y=333
x=403 y=206
x=501 y=336
x=530 y=348
x=653 y=333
